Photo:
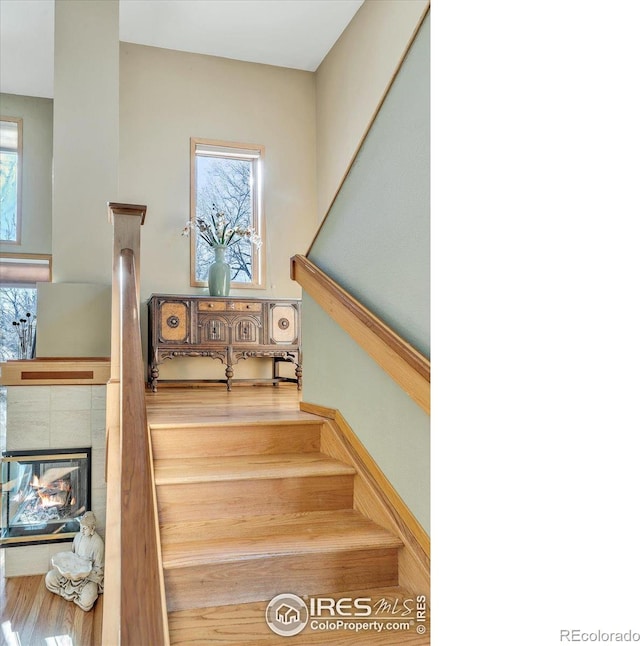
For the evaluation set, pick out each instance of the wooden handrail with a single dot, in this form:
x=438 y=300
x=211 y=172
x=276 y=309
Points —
x=408 y=367
x=134 y=609
x=142 y=602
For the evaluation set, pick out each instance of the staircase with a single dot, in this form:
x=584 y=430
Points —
x=249 y=510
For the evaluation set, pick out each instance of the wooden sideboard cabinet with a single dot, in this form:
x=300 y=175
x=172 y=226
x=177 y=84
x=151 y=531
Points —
x=225 y=328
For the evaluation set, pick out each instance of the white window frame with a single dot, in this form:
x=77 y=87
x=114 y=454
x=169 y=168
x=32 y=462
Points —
x=230 y=150
x=23 y=271
x=18 y=151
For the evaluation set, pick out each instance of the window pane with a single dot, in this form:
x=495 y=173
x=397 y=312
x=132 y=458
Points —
x=225 y=184
x=15 y=304
x=227 y=180
x=8 y=195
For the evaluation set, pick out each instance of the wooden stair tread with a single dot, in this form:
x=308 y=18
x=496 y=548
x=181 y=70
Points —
x=212 y=423
x=244 y=467
x=245 y=624
x=193 y=531
x=295 y=534
x=199 y=439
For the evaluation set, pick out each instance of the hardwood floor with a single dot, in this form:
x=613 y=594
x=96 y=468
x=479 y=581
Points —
x=40 y=618
x=278 y=517
x=214 y=404
x=30 y=615
x=35 y=616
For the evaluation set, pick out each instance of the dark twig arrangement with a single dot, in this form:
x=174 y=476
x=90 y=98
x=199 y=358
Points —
x=25 y=329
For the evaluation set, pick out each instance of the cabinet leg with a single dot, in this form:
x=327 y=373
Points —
x=299 y=375
x=154 y=377
x=229 y=374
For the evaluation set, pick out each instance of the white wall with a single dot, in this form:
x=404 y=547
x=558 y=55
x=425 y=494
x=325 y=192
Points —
x=85 y=178
x=85 y=138
x=166 y=97
x=74 y=320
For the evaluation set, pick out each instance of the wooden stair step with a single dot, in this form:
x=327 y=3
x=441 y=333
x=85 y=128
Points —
x=233 y=486
x=193 y=531
x=244 y=560
x=243 y=467
x=242 y=539
x=225 y=438
x=245 y=624
x=257 y=579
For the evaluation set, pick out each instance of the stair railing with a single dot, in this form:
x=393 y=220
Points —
x=409 y=368
x=134 y=608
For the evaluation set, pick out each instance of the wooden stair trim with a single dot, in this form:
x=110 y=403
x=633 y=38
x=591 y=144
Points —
x=410 y=369
x=241 y=467
x=375 y=496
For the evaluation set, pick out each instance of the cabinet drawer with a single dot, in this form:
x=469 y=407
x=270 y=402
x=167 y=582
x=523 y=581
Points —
x=228 y=306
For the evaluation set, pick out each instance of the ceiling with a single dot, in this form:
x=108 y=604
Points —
x=286 y=33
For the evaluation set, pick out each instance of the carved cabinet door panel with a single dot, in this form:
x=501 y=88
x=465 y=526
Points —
x=283 y=324
x=174 y=322
x=247 y=330
x=213 y=328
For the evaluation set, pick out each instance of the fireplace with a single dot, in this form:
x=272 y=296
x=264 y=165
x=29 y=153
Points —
x=43 y=495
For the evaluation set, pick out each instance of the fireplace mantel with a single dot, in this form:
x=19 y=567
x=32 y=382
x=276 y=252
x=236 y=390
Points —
x=61 y=371
x=52 y=404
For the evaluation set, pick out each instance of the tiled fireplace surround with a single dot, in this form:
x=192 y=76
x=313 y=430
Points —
x=56 y=416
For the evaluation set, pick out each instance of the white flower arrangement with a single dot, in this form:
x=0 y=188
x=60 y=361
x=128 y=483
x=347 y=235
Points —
x=219 y=233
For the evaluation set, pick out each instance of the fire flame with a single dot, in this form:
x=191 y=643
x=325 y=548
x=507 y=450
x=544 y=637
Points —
x=52 y=494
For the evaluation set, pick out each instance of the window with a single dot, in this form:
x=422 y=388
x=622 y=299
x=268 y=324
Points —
x=19 y=274
x=10 y=177
x=227 y=177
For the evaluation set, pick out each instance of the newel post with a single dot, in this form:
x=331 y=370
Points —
x=127 y=220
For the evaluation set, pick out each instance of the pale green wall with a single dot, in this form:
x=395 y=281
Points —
x=37 y=156
x=352 y=80
x=393 y=428
x=375 y=242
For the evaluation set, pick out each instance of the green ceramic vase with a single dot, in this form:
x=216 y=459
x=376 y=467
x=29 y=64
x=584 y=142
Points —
x=219 y=273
